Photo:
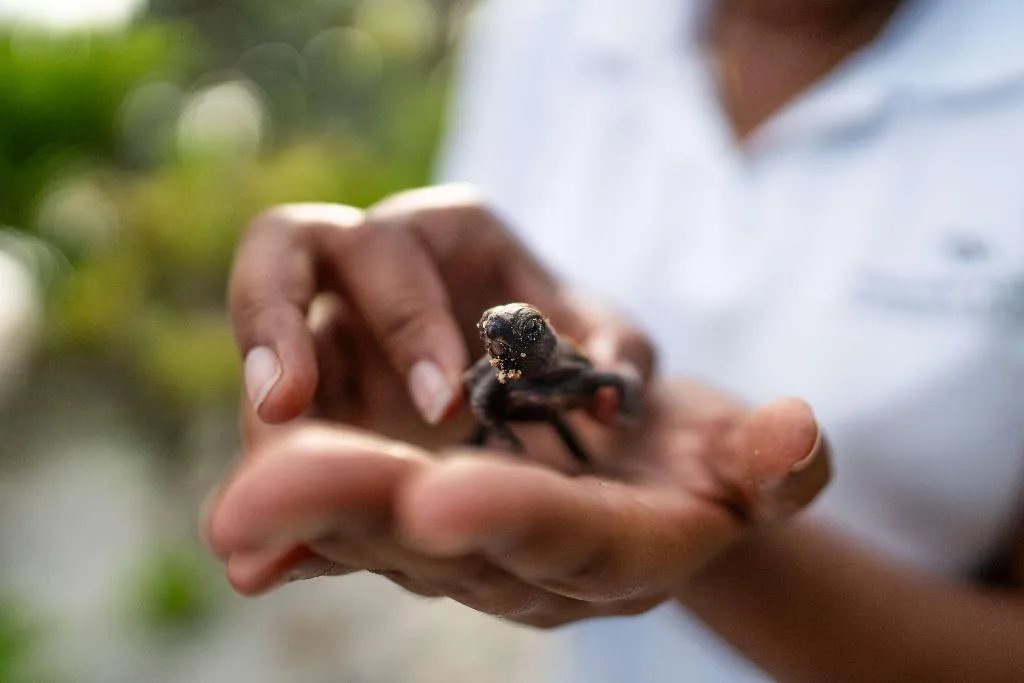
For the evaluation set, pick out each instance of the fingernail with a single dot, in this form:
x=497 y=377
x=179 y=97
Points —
x=430 y=392
x=809 y=459
x=262 y=372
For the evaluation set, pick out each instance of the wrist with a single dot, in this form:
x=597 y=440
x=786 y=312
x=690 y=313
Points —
x=737 y=566
x=775 y=521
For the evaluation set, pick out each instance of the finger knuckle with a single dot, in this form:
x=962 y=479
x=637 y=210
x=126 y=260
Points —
x=631 y=607
x=458 y=574
x=404 y=324
x=506 y=602
x=448 y=218
x=270 y=223
x=517 y=605
x=301 y=222
x=268 y=319
x=478 y=572
x=371 y=247
x=266 y=221
x=362 y=238
x=548 y=620
x=594 y=576
x=308 y=215
x=410 y=584
x=489 y=589
x=436 y=199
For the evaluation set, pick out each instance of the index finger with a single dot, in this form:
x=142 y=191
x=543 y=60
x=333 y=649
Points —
x=484 y=263
x=273 y=282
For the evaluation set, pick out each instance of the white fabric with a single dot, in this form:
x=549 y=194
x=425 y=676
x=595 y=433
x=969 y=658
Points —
x=864 y=251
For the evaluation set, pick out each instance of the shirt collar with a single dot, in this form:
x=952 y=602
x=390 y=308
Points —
x=952 y=47
x=628 y=31
x=930 y=48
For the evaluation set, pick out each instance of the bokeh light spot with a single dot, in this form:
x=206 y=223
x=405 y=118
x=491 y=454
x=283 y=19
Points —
x=76 y=213
x=226 y=118
x=404 y=28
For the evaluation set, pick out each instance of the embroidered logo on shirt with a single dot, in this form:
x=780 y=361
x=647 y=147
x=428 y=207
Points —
x=959 y=280
x=966 y=247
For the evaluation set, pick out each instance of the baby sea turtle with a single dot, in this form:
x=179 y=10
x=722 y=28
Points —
x=531 y=374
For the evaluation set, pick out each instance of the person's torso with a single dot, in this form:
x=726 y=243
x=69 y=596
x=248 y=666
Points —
x=865 y=254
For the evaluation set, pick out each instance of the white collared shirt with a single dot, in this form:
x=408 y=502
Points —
x=864 y=250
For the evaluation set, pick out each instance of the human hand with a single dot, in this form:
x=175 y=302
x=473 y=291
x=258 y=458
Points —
x=514 y=538
x=368 y=318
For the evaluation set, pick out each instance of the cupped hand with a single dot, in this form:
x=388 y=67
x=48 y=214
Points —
x=514 y=538
x=368 y=317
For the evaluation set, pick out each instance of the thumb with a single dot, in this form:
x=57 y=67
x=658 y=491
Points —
x=625 y=351
x=614 y=344
x=611 y=340
x=780 y=462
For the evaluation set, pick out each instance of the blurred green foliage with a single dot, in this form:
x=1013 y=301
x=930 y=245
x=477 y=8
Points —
x=20 y=633
x=173 y=592
x=60 y=102
x=142 y=153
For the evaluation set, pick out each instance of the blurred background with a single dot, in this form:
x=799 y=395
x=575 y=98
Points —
x=136 y=140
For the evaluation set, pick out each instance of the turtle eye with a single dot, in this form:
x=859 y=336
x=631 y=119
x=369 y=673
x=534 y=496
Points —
x=498 y=348
x=534 y=330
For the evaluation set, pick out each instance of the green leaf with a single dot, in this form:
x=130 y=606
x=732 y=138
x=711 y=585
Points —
x=173 y=590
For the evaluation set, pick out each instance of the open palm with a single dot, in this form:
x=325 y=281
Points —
x=517 y=538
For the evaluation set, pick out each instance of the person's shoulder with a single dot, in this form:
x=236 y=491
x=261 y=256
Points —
x=945 y=51
x=504 y=26
x=517 y=15
x=508 y=51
